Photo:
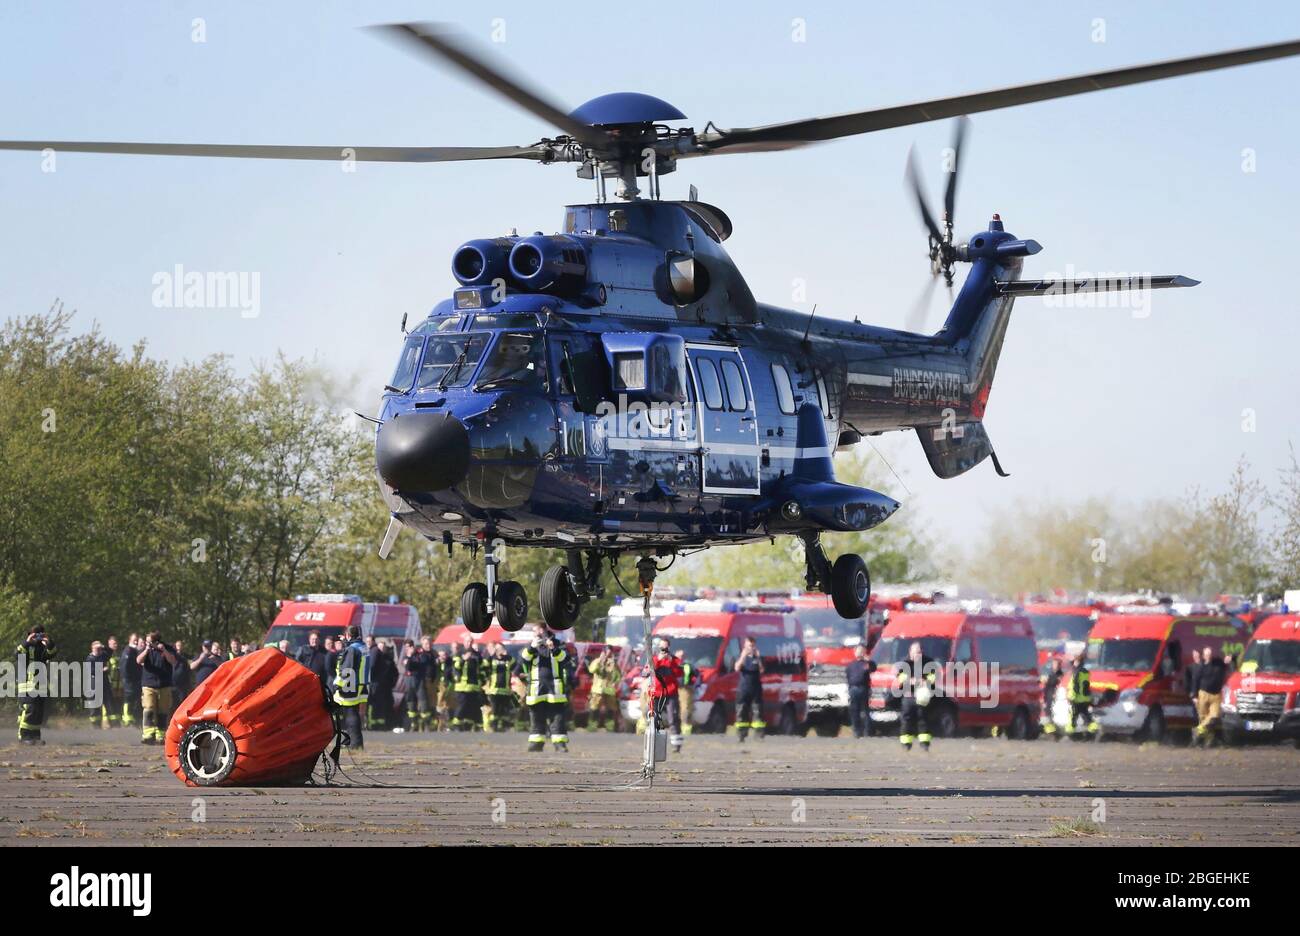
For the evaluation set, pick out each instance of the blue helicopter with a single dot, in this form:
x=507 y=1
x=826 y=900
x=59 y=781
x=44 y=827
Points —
x=616 y=389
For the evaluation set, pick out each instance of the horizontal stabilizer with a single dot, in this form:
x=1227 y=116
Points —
x=955 y=449
x=1092 y=284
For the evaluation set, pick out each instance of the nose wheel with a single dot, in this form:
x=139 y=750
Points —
x=847 y=581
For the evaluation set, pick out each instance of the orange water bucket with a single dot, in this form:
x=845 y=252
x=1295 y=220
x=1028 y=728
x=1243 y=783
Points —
x=258 y=720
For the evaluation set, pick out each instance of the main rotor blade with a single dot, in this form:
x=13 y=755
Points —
x=814 y=130
x=442 y=42
x=950 y=192
x=918 y=191
x=920 y=311
x=407 y=154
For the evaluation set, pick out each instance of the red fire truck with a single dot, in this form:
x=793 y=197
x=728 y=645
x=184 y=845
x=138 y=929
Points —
x=1262 y=698
x=989 y=675
x=712 y=642
x=1137 y=663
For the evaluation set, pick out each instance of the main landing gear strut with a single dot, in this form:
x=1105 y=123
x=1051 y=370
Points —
x=847 y=581
x=507 y=600
x=565 y=589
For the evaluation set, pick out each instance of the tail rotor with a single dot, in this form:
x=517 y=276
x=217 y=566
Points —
x=942 y=251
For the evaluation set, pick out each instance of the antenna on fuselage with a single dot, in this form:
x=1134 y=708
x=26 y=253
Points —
x=808 y=328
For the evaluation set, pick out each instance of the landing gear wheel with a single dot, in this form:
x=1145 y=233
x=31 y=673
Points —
x=473 y=608
x=207 y=753
x=557 y=599
x=511 y=606
x=850 y=586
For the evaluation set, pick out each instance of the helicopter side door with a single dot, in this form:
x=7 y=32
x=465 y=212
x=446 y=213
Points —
x=727 y=418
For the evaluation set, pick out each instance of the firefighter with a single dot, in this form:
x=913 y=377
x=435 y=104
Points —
x=662 y=678
x=98 y=663
x=469 y=671
x=352 y=687
x=432 y=680
x=113 y=692
x=544 y=665
x=416 y=664
x=686 y=690
x=605 y=677
x=915 y=681
x=36 y=649
x=1050 y=685
x=446 y=697
x=157 y=664
x=1079 y=695
x=130 y=681
x=749 y=692
x=500 y=696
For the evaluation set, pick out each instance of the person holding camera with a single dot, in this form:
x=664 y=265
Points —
x=206 y=663
x=31 y=712
x=662 y=679
x=545 y=668
x=603 y=700
x=157 y=663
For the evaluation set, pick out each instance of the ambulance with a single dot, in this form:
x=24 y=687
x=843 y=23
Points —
x=1262 y=698
x=1137 y=664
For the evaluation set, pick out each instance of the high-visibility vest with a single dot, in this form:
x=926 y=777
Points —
x=498 y=675
x=546 y=683
x=36 y=653
x=1080 y=687
x=469 y=672
x=352 y=685
x=688 y=672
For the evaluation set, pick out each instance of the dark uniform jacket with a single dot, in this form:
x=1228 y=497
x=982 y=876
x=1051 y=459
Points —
x=858 y=674
x=314 y=659
x=1212 y=676
x=156 y=673
x=130 y=668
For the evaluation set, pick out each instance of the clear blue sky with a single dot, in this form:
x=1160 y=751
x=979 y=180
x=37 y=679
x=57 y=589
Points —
x=1086 y=402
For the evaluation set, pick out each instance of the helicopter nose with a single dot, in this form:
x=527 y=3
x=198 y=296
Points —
x=422 y=451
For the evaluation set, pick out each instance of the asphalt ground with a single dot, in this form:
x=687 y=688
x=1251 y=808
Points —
x=88 y=787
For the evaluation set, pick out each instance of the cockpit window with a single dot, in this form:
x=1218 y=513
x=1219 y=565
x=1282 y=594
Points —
x=406 y=367
x=506 y=320
x=515 y=361
x=449 y=360
x=437 y=323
